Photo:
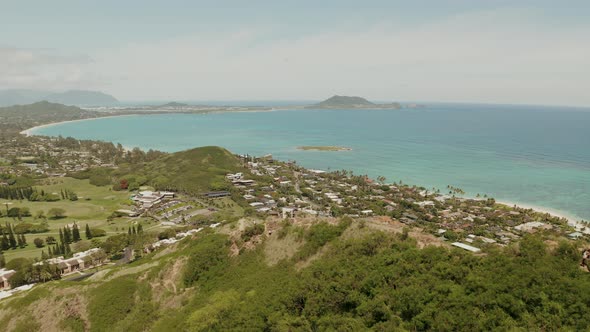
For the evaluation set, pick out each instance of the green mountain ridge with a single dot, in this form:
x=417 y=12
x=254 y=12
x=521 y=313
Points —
x=71 y=97
x=343 y=277
x=82 y=98
x=19 y=117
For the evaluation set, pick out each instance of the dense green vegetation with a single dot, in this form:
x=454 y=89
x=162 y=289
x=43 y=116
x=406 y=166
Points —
x=191 y=171
x=318 y=235
x=337 y=276
x=363 y=280
x=19 y=117
x=384 y=283
x=111 y=302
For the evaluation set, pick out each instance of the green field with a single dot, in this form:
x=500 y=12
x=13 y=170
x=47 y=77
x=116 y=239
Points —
x=93 y=206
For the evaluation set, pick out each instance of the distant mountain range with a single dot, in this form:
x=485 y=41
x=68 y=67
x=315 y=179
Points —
x=71 y=97
x=346 y=102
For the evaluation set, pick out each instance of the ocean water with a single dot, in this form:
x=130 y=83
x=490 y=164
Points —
x=530 y=155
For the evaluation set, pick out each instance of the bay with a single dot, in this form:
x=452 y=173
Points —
x=531 y=155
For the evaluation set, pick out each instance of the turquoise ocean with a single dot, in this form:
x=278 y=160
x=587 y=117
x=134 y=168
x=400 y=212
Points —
x=534 y=155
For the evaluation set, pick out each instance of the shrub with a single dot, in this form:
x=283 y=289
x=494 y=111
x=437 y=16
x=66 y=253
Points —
x=98 y=232
x=50 y=240
x=114 y=244
x=24 y=228
x=100 y=180
x=252 y=231
x=56 y=213
x=39 y=243
x=167 y=234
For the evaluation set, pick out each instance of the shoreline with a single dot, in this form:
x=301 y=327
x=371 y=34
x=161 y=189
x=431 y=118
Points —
x=572 y=220
x=577 y=222
x=30 y=131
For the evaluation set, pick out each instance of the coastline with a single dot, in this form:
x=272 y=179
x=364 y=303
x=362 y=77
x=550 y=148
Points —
x=30 y=131
x=578 y=223
x=574 y=221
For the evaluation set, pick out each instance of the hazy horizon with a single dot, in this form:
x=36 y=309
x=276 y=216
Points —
x=501 y=52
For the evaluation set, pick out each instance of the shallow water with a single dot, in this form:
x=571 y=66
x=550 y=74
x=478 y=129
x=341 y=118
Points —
x=531 y=155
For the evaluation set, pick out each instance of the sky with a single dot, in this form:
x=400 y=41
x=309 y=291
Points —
x=509 y=52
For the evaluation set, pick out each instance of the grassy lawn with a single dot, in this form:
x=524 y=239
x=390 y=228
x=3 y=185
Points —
x=228 y=206
x=93 y=206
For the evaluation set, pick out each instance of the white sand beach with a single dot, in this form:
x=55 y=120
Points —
x=574 y=221
x=31 y=131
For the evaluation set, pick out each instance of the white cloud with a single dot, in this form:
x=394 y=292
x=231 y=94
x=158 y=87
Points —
x=496 y=56
x=42 y=69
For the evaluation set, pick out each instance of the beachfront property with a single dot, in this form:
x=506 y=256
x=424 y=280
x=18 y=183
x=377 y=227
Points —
x=532 y=226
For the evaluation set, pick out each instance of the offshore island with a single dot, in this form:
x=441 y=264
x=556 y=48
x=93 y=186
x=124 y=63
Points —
x=102 y=237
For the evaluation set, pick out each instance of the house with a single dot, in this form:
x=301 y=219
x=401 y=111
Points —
x=4 y=278
x=466 y=247
x=575 y=235
x=167 y=194
x=425 y=203
x=80 y=261
x=531 y=226
x=216 y=194
x=242 y=182
x=234 y=177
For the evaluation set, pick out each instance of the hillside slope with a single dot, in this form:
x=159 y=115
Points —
x=191 y=171
x=20 y=117
x=71 y=97
x=82 y=98
x=353 y=278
